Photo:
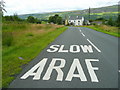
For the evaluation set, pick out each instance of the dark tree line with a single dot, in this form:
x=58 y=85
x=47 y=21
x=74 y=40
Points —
x=112 y=22
x=30 y=19
x=56 y=19
x=118 y=21
x=12 y=18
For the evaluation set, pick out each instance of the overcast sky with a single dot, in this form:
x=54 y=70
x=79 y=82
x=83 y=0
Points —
x=40 y=6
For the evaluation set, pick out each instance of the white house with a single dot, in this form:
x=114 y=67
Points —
x=75 y=20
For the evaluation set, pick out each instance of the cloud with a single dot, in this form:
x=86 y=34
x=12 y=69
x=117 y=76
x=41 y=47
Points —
x=39 y=6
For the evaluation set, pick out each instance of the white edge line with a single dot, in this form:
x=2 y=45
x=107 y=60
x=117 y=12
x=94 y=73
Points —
x=93 y=45
x=83 y=34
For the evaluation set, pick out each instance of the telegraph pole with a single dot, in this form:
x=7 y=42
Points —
x=89 y=12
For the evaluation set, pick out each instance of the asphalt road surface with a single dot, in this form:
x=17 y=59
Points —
x=78 y=58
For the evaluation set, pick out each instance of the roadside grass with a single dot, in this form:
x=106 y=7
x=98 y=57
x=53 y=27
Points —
x=26 y=42
x=14 y=26
x=111 y=30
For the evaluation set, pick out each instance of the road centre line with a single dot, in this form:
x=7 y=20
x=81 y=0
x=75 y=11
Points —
x=83 y=34
x=90 y=42
x=93 y=45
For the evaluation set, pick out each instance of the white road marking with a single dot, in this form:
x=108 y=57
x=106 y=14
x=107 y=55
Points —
x=92 y=69
x=93 y=45
x=39 y=67
x=71 y=49
x=37 y=70
x=76 y=65
x=87 y=48
x=57 y=68
x=80 y=30
x=74 y=46
x=119 y=70
x=83 y=34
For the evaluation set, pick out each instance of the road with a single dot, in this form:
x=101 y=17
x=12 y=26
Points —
x=78 y=58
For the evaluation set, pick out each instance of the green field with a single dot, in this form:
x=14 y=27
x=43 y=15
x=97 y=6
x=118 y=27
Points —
x=26 y=41
x=105 y=13
x=114 y=31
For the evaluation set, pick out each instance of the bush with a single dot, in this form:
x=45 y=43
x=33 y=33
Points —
x=90 y=20
x=94 y=24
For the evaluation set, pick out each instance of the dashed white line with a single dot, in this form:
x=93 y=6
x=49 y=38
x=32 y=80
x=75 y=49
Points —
x=93 y=45
x=83 y=34
x=119 y=71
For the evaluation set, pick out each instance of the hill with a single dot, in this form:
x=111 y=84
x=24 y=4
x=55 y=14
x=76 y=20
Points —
x=105 y=12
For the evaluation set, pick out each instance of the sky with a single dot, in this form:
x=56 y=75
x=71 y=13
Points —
x=43 y=6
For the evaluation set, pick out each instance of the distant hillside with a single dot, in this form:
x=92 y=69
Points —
x=105 y=12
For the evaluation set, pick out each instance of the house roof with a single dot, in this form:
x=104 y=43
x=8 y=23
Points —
x=74 y=17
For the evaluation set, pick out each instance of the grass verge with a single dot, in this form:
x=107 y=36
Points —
x=24 y=41
x=114 y=31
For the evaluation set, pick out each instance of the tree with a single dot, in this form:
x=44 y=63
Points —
x=31 y=19
x=59 y=20
x=2 y=5
x=8 y=18
x=56 y=19
x=38 y=21
x=110 y=21
x=12 y=18
x=118 y=21
x=16 y=18
x=51 y=19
